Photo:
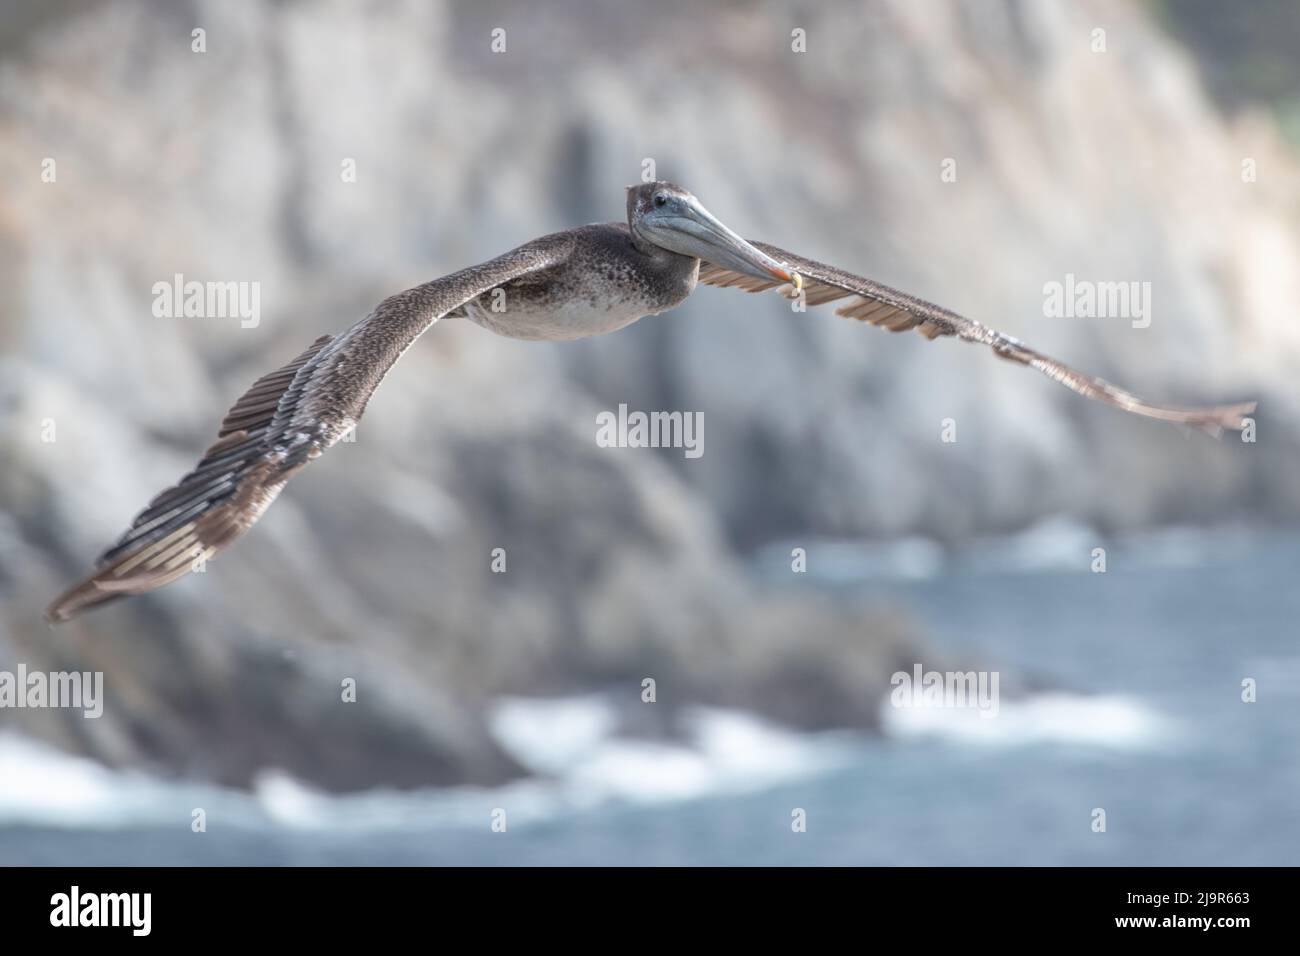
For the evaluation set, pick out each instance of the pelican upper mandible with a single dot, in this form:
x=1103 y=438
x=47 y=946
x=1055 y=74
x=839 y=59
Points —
x=567 y=285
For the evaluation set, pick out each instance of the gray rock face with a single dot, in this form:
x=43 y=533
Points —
x=375 y=565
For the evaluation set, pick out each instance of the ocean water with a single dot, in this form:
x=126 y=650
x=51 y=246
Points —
x=1134 y=707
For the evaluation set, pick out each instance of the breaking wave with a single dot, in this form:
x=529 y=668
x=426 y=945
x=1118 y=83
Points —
x=579 y=758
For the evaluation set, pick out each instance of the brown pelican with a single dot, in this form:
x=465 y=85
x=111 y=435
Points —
x=581 y=282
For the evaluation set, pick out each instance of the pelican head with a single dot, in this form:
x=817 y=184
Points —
x=670 y=217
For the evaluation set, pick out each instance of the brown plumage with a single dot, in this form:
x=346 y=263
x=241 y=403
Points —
x=581 y=282
x=897 y=311
x=286 y=419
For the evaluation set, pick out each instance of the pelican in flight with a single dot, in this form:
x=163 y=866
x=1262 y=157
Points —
x=568 y=285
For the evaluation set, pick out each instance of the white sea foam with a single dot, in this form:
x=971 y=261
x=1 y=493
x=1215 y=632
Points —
x=41 y=785
x=1053 y=544
x=723 y=751
x=1110 y=722
x=570 y=743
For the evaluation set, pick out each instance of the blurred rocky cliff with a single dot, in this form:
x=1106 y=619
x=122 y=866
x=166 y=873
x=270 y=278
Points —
x=226 y=165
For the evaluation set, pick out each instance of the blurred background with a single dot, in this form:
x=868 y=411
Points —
x=1162 y=149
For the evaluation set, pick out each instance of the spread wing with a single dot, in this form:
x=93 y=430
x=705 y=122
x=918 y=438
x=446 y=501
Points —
x=897 y=311
x=286 y=419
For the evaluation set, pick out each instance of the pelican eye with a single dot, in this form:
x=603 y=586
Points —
x=661 y=200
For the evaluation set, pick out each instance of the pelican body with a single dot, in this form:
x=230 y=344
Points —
x=608 y=275
x=568 y=285
x=604 y=284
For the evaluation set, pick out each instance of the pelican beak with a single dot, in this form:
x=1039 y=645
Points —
x=697 y=232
